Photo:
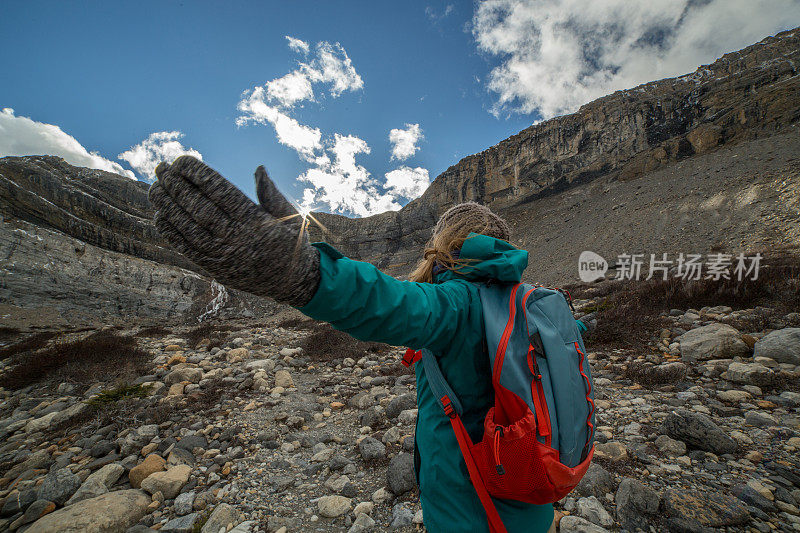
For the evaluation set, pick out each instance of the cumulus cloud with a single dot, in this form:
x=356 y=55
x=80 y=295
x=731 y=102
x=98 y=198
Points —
x=342 y=184
x=335 y=180
x=159 y=146
x=297 y=45
x=404 y=142
x=407 y=182
x=557 y=55
x=305 y=140
x=24 y=136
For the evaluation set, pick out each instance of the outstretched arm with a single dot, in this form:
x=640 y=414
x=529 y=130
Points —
x=358 y=298
x=259 y=249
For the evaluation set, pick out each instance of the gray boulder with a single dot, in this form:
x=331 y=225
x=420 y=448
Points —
x=58 y=486
x=782 y=345
x=714 y=341
x=749 y=374
x=698 y=431
x=400 y=475
x=115 y=511
x=635 y=502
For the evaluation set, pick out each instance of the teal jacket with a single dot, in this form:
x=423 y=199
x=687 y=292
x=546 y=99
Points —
x=445 y=317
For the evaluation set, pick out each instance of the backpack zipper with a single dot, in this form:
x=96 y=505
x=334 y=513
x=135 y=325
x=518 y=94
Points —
x=498 y=432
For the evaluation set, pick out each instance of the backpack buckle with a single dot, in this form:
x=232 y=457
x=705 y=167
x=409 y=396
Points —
x=448 y=407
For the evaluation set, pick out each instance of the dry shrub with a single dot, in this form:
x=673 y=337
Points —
x=217 y=333
x=153 y=331
x=103 y=355
x=32 y=343
x=298 y=323
x=648 y=375
x=326 y=344
x=210 y=395
x=628 y=315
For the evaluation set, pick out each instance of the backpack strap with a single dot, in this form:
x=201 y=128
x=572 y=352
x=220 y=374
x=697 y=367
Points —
x=453 y=409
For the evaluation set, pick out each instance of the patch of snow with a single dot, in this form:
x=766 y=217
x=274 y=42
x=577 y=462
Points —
x=218 y=301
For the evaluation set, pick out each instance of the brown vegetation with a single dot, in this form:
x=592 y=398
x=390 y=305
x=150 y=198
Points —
x=34 y=342
x=102 y=355
x=629 y=311
x=326 y=343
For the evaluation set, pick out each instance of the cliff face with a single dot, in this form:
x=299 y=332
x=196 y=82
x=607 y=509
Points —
x=79 y=244
x=742 y=96
x=704 y=161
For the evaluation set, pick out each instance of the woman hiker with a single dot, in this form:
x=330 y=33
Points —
x=258 y=249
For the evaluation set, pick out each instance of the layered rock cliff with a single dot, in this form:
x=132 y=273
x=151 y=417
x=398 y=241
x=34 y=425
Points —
x=690 y=164
x=742 y=96
x=78 y=245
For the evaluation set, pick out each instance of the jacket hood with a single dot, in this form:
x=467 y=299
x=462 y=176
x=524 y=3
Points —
x=487 y=258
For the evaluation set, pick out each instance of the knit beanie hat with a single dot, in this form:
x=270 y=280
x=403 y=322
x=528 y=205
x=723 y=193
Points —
x=479 y=218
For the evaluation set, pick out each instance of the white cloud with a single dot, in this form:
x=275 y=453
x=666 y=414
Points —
x=335 y=180
x=404 y=142
x=24 y=136
x=330 y=65
x=558 y=55
x=342 y=184
x=159 y=146
x=290 y=89
x=297 y=45
x=305 y=140
x=407 y=182
x=435 y=16
x=334 y=67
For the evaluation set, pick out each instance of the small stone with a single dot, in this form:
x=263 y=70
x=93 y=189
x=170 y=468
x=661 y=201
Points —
x=401 y=516
x=613 y=451
x=224 y=517
x=364 y=508
x=592 y=510
x=733 y=396
x=361 y=524
x=699 y=431
x=182 y=524
x=183 y=503
x=36 y=510
x=400 y=404
x=576 y=524
x=283 y=379
x=759 y=419
x=400 y=474
x=671 y=447
x=381 y=495
x=151 y=464
x=333 y=506
x=90 y=488
x=169 y=483
x=635 y=502
x=58 y=486
x=371 y=449
x=114 y=511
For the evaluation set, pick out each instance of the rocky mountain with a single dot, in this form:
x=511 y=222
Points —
x=706 y=161
x=630 y=147
x=78 y=245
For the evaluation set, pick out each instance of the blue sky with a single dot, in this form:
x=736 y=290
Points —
x=464 y=75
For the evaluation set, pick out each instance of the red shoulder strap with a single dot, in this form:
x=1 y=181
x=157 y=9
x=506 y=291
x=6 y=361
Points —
x=464 y=443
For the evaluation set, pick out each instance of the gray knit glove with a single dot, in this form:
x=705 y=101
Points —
x=252 y=248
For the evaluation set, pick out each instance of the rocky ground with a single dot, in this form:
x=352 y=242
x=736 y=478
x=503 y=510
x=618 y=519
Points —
x=282 y=427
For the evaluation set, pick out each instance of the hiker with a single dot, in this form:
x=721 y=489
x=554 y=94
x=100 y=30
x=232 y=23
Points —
x=257 y=249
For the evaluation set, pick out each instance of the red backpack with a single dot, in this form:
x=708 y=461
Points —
x=538 y=437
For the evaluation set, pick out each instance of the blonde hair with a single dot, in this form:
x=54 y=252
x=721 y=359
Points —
x=449 y=235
